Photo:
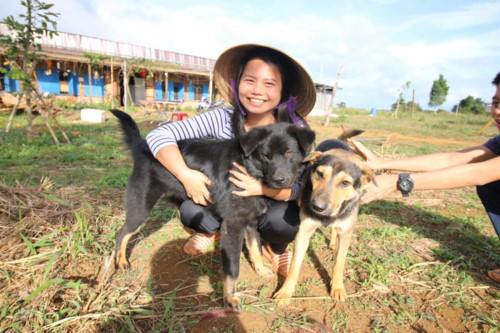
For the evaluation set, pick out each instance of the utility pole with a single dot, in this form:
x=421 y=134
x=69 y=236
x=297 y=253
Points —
x=334 y=91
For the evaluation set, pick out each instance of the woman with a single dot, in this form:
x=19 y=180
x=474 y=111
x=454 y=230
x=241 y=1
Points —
x=475 y=166
x=264 y=86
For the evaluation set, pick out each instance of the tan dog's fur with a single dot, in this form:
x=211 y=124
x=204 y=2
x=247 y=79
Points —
x=335 y=191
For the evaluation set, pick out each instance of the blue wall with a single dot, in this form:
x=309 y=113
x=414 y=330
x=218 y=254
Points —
x=73 y=84
x=48 y=83
x=10 y=84
x=190 y=92
x=205 y=90
x=158 y=90
x=97 y=86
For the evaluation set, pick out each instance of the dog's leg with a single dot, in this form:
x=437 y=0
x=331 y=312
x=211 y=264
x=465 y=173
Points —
x=231 y=244
x=300 y=245
x=337 y=291
x=139 y=202
x=254 y=246
x=333 y=239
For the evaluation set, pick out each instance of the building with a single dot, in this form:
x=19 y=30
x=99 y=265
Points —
x=92 y=69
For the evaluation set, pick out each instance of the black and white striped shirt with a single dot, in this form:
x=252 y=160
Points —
x=211 y=124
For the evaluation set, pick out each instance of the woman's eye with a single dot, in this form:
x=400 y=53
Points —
x=288 y=153
x=319 y=174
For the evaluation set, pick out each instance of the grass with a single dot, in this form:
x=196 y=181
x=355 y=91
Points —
x=411 y=264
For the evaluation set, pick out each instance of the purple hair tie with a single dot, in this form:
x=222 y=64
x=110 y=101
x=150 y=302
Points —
x=291 y=104
x=236 y=99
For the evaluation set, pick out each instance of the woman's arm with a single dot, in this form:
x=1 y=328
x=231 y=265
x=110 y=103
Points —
x=163 y=140
x=250 y=186
x=471 y=174
x=428 y=162
x=194 y=182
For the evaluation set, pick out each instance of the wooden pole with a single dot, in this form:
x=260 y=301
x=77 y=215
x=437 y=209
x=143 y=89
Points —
x=334 y=90
x=486 y=126
x=412 y=103
x=13 y=113
x=112 y=85
x=90 y=82
x=166 y=86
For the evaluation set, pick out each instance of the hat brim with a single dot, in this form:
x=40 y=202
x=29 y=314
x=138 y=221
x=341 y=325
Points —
x=301 y=85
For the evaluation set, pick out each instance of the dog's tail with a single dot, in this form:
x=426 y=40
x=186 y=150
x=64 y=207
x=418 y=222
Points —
x=347 y=134
x=340 y=142
x=129 y=127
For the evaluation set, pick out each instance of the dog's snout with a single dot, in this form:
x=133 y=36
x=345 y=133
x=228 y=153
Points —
x=318 y=206
x=279 y=179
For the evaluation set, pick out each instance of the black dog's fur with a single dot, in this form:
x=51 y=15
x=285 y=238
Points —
x=271 y=154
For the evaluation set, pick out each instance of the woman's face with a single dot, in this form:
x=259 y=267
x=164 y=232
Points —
x=260 y=86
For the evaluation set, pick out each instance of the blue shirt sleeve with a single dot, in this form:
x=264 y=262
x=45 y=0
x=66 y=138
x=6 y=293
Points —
x=493 y=144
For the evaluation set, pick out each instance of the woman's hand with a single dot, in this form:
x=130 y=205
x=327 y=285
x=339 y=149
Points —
x=249 y=186
x=195 y=183
x=386 y=184
x=372 y=161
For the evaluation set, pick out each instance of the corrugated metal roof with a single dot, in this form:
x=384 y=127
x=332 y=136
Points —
x=68 y=41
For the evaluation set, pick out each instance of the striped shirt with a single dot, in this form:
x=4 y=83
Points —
x=211 y=124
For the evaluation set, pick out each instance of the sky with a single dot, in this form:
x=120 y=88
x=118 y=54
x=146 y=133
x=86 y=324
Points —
x=380 y=44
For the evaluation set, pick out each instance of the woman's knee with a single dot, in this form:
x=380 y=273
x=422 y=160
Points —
x=281 y=223
x=196 y=217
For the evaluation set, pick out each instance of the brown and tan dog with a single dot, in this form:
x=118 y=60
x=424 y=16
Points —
x=330 y=197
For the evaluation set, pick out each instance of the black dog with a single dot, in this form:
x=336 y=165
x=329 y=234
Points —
x=271 y=154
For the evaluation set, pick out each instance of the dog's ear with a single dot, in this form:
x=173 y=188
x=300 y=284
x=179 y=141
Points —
x=367 y=176
x=251 y=140
x=305 y=137
x=312 y=157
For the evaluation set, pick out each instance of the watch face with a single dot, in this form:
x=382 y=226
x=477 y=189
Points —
x=406 y=184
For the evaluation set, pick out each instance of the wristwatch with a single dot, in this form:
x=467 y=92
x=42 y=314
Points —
x=405 y=184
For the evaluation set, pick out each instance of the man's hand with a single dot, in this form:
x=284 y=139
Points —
x=372 y=161
x=386 y=184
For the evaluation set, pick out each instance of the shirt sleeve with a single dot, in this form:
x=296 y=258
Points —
x=211 y=124
x=493 y=144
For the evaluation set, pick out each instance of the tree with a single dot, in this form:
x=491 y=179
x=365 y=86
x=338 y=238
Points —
x=400 y=97
x=439 y=91
x=21 y=50
x=470 y=105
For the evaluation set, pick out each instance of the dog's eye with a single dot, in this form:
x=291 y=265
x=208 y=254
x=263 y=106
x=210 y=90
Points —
x=345 y=183
x=266 y=156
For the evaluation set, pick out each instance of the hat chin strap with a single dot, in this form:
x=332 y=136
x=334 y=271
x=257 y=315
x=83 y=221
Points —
x=291 y=105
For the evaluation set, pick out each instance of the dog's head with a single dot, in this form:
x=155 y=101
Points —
x=273 y=154
x=332 y=187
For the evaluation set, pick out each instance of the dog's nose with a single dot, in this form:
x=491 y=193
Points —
x=280 y=179
x=318 y=206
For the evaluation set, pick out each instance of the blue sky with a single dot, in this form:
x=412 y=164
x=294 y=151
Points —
x=381 y=44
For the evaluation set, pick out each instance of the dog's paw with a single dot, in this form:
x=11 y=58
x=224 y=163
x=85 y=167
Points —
x=265 y=272
x=338 y=293
x=233 y=302
x=122 y=263
x=282 y=297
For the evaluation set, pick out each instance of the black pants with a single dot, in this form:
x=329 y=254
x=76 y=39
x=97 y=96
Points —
x=490 y=197
x=278 y=226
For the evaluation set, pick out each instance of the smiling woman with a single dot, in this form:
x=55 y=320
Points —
x=264 y=86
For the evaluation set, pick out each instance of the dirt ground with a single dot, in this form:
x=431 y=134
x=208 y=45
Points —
x=414 y=265
x=408 y=301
